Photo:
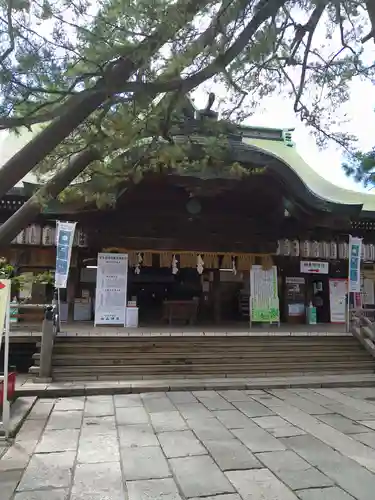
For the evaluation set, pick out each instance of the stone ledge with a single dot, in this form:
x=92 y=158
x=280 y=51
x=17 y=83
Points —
x=82 y=388
x=19 y=410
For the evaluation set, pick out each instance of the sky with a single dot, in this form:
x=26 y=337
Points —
x=277 y=111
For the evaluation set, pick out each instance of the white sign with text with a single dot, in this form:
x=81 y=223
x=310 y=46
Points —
x=111 y=287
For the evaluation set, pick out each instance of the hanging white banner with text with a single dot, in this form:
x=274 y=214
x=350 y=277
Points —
x=355 y=247
x=64 y=244
x=111 y=287
x=338 y=289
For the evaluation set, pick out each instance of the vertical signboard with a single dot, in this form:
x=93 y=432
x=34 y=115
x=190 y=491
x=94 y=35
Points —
x=355 y=245
x=264 y=300
x=111 y=287
x=64 y=244
x=338 y=289
x=4 y=304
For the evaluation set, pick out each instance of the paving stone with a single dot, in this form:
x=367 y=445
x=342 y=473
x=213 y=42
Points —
x=347 y=446
x=369 y=423
x=99 y=408
x=194 y=410
x=205 y=394
x=232 y=419
x=364 y=406
x=349 y=412
x=152 y=395
x=146 y=462
x=343 y=424
x=129 y=416
x=259 y=484
x=199 y=476
x=8 y=483
x=127 y=400
x=258 y=440
x=48 y=470
x=65 y=420
x=153 y=489
x=300 y=402
x=217 y=403
x=283 y=460
x=17 y=456
x=180 y=444
x=137 y=435
x=209 y=429
x=182 y=397
x=41 y=410
x=309 y=478
x=230 y=496
x=98 y=425
x=367 y=438
x=270 y=422
x=346 y=473
x=154 y=405
x=286 y=431
x=61 y=440
x=59 y=494
x=64 y=404
x=31 y=430
x=168 y=421
x=98 y=482
x=333 y=493
x=253 y=409
x=234 y=395
x=98 y=448
x=232 y=455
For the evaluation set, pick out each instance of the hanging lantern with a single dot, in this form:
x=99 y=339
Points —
x=234 y=269
x=174 y=265
x=295 y=250
x=305 y=249
x=137 y=269
x=333 y=250
x=200 y=264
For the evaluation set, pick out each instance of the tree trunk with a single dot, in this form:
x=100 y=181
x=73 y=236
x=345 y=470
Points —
x=80 y=106
x=24 y=215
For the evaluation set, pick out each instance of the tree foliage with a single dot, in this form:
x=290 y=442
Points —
x=54 y=53
x=361 y=166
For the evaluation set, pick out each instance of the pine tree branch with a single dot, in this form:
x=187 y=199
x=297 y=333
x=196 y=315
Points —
x=11 y=47
x=35 y=204
x=370 y=6
x=79 y=107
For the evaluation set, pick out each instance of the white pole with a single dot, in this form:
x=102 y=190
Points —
x=6 y=405
x=348 y=295
x=58 y=310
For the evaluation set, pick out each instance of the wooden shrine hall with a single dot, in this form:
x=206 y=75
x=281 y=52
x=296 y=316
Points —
x=208 y=250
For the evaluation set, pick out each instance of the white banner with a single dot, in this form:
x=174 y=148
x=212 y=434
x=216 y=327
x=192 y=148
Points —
x=111 y=287
x=64 y=243
x=338 y=289
x=355 y=247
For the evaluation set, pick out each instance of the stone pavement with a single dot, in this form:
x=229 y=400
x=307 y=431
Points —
x=279 y=444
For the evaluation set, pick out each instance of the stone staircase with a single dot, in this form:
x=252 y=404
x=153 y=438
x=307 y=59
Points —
x=130 y=358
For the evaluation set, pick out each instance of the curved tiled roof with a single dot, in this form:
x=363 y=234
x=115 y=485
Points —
x=319 y=186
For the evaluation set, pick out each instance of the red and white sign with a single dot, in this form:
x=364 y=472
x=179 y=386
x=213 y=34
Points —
x=314 y=267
